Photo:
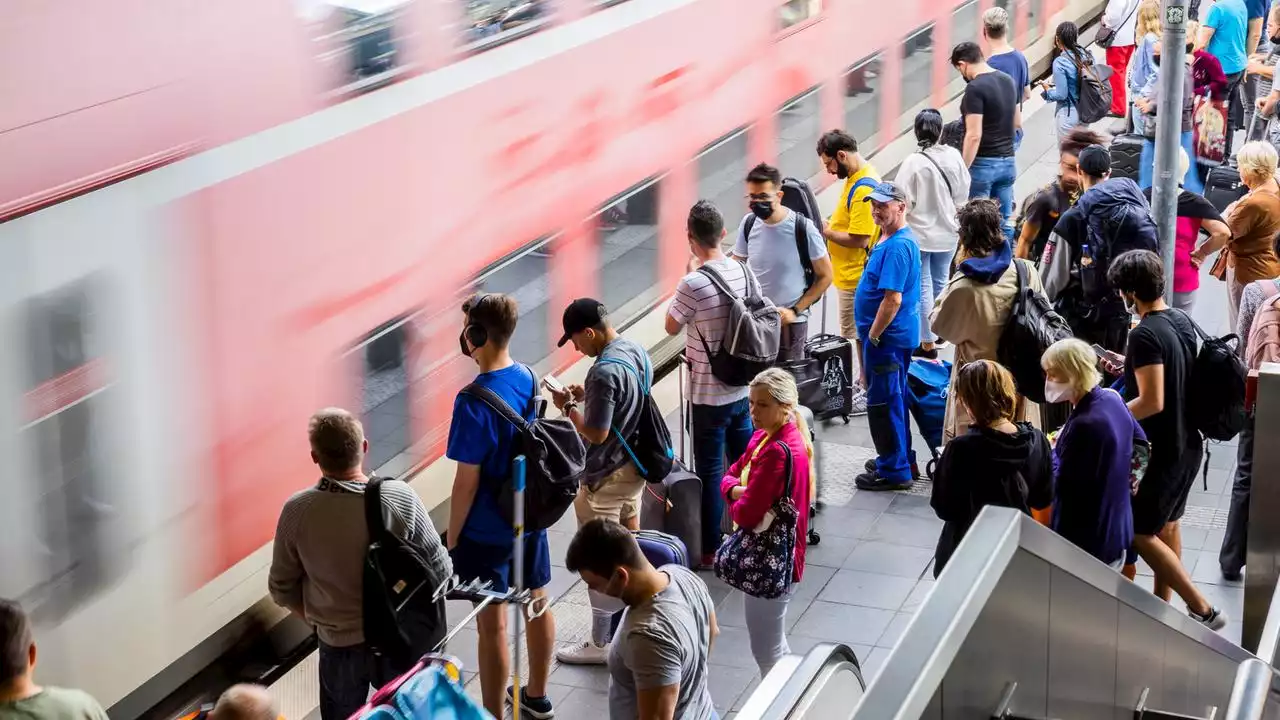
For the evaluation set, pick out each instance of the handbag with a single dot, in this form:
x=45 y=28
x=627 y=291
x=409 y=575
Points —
x=759 y=563
x=1219 y=269
x=1107 y=35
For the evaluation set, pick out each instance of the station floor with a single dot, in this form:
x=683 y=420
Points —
x=873 y=568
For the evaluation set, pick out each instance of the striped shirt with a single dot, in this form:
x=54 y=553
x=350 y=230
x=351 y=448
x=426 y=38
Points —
x=697 y=302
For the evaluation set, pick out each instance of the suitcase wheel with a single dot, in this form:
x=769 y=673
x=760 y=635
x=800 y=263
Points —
x=814 y=537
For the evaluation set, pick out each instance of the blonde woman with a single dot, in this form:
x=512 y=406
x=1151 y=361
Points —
x=1254 y=221
x=1142 y=69
x=755 y=482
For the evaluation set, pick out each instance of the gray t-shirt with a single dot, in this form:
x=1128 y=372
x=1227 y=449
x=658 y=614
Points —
x=664 y=641
x=773 y=256
x=613 y=401
x=53 y=703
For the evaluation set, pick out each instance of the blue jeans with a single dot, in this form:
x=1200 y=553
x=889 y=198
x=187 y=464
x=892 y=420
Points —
x=993 y=177
x=346 y=674
x=887 y=411
x=934 y=270
x=1147 y=165
x=1065 y=119
x=719 y=431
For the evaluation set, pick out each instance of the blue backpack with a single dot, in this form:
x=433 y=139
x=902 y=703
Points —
x=1118 y=220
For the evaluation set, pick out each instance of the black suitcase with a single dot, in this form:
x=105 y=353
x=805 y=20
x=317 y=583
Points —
x=1223 y=186
x=1126 y=154
x=826 y=378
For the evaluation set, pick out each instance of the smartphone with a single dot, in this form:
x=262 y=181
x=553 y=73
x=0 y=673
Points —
x=1112 y=361
x=553 y=384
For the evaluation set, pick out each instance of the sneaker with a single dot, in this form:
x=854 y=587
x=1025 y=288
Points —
x=859 y=404
x=536 y=707
x=875 y=483
x=1215 y=620
x=585 y=653
x=870 y=467
x=920 y=352
x=1232 y=576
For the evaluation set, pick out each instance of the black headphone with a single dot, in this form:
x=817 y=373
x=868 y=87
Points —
x=476 y=334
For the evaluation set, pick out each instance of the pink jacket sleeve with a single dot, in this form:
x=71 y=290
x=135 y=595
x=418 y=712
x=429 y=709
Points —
x=731 y=476
x=764 y=485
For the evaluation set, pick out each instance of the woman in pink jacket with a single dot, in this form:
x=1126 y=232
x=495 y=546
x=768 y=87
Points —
x=755 y=482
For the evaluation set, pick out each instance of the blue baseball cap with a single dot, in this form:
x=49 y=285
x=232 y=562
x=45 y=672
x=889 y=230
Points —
x=886 y=192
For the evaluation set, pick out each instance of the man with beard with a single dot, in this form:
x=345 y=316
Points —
x=1042 y=208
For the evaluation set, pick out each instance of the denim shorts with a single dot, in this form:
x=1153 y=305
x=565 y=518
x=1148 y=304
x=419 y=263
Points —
x=495 y=563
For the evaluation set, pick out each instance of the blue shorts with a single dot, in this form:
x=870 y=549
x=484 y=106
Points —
x=495 y=563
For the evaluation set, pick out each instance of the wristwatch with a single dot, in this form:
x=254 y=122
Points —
x=874 y=341
x=569 y=407
x=795 y=310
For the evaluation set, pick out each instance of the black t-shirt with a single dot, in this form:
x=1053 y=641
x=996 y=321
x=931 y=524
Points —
x=993 y=96
x=1042 y=209
x=1165 y=337
x=1192 y=205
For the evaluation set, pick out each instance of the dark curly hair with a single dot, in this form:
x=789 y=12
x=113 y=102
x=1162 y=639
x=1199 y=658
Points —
x=980 y=230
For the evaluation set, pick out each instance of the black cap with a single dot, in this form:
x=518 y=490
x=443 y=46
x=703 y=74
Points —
x=1094 y=161
x=581 y=314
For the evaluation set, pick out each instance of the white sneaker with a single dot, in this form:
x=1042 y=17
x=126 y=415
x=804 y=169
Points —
x=586 y=653
x=1215 y=620
x=859 y=404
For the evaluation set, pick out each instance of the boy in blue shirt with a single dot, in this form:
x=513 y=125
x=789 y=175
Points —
x=886 y=311
x=480 y=540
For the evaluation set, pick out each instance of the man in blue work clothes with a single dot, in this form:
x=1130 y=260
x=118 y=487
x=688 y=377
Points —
x=886 y=311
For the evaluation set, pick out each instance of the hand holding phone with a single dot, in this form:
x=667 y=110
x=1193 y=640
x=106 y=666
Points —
x=553 y=384
x=1112 y=362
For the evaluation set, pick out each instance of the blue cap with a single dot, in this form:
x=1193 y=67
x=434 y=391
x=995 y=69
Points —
x=886 y=192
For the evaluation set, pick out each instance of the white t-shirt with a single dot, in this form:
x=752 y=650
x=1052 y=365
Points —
x=932 y=209
x=704 y=311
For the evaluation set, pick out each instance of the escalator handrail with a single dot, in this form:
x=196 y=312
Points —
x=1269 y=642
x=799 y=679
x=1251 y=690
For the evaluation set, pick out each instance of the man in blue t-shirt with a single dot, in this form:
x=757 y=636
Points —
x=1224 y=35
x=480 y=540
x=886 y=311
x=1006 y=58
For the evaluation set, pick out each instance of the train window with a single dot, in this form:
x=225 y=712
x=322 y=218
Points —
x=626 y=232
x=798 y=125
x=964 y=23
x=794 y=12
x=385 y=403
x=917 y=67
x=524 y=276
x=493 y=22
x=722 y=167
x=1034 y=31
x=862 y=103
x=359 y=40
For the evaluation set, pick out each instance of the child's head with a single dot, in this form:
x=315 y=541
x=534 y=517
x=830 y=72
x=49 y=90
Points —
x=987 y=391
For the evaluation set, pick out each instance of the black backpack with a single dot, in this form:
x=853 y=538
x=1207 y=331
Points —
x=1095 y=90
x=650 y=446
x=1217 y=394
x=798 y=197
x=402 y=618
x=1032 y=327
x=555 y=459
x=1117 y=220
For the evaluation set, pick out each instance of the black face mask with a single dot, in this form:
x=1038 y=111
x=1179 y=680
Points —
x=1156 y=59
x=762 y=208
x=462 y=343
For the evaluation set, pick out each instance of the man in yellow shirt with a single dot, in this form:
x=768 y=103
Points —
x=851 y=232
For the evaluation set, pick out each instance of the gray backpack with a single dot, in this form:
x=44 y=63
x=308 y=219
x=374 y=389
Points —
x=752 y=334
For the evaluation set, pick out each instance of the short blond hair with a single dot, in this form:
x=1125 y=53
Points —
x=1149 y=18
x=337 y=440
x=1074 y=360
x=782 y=387
x=1257 y=161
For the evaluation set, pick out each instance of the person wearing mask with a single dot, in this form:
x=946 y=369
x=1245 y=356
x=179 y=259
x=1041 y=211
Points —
x=1064 y=88
x=752 y=486
x=658 y=659
x=720 y=412
x=1143 y=69
x=1092 y=455
x=1042 y=208
x=850 y=233
x=885 y=310
x=20 y=697
x=1146 y=103
x=772 y=252
x=975 y=307
x=605 y=410
x=1157 y=384
x=1224 y=35
x=1005 y=57
x=1121 y=16
x=1194 y=215
x=936 y=182
x=1254 y=221
x=317 y=560
x=996 y=462
x=992 y=116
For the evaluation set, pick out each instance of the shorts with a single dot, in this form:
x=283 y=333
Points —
x=616 y=498
x=496 y=563
x=1162 y=495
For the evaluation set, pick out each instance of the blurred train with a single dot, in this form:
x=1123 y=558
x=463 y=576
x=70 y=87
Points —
x=218 y=217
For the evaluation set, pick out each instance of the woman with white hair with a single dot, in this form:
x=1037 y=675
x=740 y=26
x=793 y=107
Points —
x=753 y=488
x=1254 y=221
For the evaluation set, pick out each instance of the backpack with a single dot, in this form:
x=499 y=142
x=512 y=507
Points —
x=1095 y=90
x=650 y=447
x=1117 y=220
x=1032 y=327
x=752 y=335
x=797 y=197
x=1264 y=335
x=555 y=460
x=1216 y=400
x=402 y=617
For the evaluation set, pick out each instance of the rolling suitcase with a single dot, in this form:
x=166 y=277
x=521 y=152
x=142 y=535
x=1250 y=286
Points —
x=674 y=506
x=825 y=376
x=660 y=549
x=1126 y=152
x=1223 y=186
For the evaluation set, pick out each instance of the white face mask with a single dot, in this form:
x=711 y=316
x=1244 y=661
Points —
x=1056 y=392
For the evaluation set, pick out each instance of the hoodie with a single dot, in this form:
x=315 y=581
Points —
x=989 y=467
x=987 y=270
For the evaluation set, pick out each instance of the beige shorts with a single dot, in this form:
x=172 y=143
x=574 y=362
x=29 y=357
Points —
x=847 y=327
x=617 y=498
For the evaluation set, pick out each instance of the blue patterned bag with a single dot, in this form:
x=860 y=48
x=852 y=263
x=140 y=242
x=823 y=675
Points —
x=760 y=563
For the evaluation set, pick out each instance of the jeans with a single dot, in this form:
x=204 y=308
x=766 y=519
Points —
x=1235 y=542
x=993 y=177
x=346 y=674
x=719 y=432
x=767 y=629
x=1065 y=119
x=887 y=410
x=935 y=268
x=1147 y=165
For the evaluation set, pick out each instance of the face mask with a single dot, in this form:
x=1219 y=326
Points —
x=462 y=343
x=1156 y=59
x=762 y=208
x=1056 y=392
x=1130 y=306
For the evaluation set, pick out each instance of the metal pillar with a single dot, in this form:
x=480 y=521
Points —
x=1164 y=193
x=1262 y=561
